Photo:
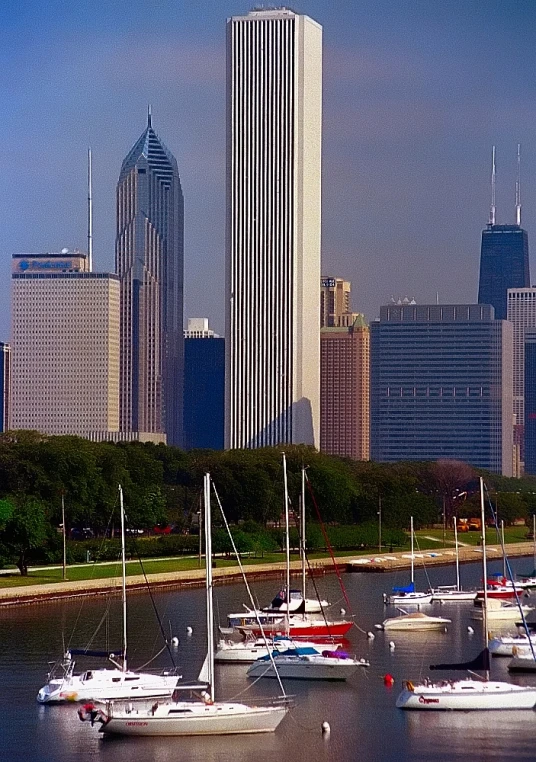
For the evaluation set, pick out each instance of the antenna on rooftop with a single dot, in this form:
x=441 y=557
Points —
x=518 y=186
x=89 y=212
x=149 y=116
x=492 y=207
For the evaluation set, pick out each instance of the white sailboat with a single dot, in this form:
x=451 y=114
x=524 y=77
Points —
x=408 y=596
x=302 y=661
x=453 y=593
x=199 y=716
x=468 y=694
x=104 y=684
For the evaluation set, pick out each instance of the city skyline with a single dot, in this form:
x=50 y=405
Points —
x=408 y=129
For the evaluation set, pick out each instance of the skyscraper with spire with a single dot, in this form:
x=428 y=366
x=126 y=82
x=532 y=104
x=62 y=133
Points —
x=150 y=262
x=504 y=254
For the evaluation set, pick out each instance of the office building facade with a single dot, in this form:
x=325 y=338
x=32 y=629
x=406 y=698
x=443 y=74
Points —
x=5 y=386
x=504 y=264
x=334 y=301
x=344 y=390
x=65 y=346
x=441 y=385
x=150 y=264
x=530 y=400
x=204 y=387
x=274 y=133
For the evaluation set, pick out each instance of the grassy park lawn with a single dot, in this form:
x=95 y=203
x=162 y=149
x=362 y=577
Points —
x=169 y=565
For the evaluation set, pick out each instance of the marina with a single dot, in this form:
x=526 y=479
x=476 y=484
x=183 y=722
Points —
x=361 y=712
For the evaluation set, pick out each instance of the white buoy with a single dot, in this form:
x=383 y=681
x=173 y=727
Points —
x=189 y=630
x=174 y=641
x=325 y=727
x=371 y=635
x=392 y=645
x=470 y=630
x=343 y=612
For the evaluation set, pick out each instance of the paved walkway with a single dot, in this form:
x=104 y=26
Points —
x=385 y=562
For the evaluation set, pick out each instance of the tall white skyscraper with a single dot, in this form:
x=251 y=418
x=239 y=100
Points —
x=521 y=312
x=274 y=135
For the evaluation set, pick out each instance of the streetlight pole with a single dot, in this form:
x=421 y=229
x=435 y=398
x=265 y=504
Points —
x=64 y=572
x=379 y=523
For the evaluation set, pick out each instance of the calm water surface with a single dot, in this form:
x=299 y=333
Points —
x=365 y=725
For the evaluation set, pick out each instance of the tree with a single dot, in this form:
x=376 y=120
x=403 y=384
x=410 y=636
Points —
x=25 y=530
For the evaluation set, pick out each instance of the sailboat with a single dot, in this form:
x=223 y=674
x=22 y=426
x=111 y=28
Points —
x=469 y=693
x=407 y=595
x=200 y=715
x=103 y=684
x=453 y=593
x=302 y=661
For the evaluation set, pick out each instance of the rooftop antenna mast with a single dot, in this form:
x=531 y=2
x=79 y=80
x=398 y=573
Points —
x=518 y=186
x=492 y=207
x=89 y=212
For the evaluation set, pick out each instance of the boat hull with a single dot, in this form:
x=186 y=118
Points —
x=107 y=685
x=509 y=645
x=409 y=599
x=216 y=719
x=464 y=695
x=522 y=663
x=395 y=625
x=305 y=630
x=298 y=669
x=454 y=596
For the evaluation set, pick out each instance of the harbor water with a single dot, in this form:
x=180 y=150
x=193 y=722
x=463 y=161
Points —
x=364 y=722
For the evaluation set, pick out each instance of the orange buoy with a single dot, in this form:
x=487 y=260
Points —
x=388 y=680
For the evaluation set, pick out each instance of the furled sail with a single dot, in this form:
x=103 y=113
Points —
x=481 y=663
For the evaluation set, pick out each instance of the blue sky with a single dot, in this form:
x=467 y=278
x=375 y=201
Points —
x=415 y=94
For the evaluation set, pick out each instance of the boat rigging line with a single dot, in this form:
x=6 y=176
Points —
x=330 y=549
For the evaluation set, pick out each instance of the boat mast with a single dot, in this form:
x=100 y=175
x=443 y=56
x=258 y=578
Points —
x=457 y=554
x=484 y=570
x=124 y=583
x=412 y=561
x=208 y=578
x=534 y=540
x=302 y=531
x=287 y=547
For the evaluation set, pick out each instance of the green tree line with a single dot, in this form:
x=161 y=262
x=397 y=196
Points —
x=163 y=485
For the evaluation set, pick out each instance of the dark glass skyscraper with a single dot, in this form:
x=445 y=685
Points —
x=441 y=385
x=150 y=262
x=504 y=264
x=204 y=393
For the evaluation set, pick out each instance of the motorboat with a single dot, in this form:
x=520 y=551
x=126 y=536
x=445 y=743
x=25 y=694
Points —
x=510 y=645
x=523 y=661
x=501 y=611
x=301 y=662
x=63 y=685
x=415 y=621
x=200 y=715
x=407 y=595
x=469 y=693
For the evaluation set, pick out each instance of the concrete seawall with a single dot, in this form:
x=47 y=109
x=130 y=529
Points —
x=385 y=562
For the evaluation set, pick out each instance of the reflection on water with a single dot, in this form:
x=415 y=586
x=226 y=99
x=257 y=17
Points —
x=364 y=722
